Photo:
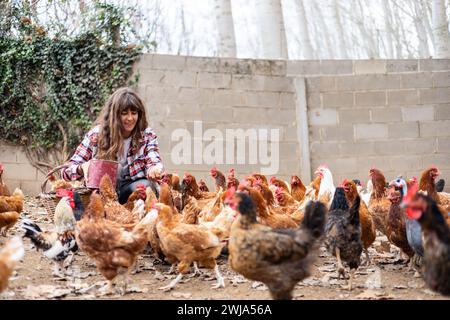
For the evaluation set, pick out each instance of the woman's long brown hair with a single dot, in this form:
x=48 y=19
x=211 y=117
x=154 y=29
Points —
x=110 y=140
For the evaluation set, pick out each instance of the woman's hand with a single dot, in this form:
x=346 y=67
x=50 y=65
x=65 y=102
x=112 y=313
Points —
x=154 y=173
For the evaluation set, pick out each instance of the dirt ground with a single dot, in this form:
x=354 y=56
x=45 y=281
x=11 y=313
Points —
x=387 y=277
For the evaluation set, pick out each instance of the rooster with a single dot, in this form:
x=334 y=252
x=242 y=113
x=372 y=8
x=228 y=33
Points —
x=4 y=191
x=10 y=255
x=436 y=239
x=279 y=258
x=327 y=188
x=59 y=244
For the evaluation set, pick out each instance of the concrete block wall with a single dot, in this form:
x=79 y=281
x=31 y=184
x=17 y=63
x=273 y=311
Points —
x=391 y=114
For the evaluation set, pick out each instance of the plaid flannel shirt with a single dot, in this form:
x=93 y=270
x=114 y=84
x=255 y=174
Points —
x=140 y=159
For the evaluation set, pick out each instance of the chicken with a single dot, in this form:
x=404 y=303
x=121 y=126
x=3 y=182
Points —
x=58 y=244
x=327 y=188
x=343 y=233
x=395 y=224
x=139 y=193
x=4 y=191
x=379 y=204
x=202 y=186
x=189 y=187
x=173 y=181
x=150 y=199
x=11 y=253
x=260 y=178
x=315 y=185
x=279 y=258
x=284 y=198
x=440 y=185
x=266 y=214
x=367 y=193
x=57 y=184
x=413 y=229
x=250 y=181
x=13 y=202
x=176 y=182
x=219 y=179
x=368 y=233
x=298 y=189
x=232 y=181
x=427 y=183
x=7 y=220
x=436 y=239
x=280 y=184
x=114 y=211
x=186 y=244
x=113 y=248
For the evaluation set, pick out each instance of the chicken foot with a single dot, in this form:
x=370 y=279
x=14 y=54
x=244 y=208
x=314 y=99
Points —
x=220 y=281
x=107 y=289
x=196 y=271
x=350 y=281
x=367 y=262
x=172 y=284
x=58 y=269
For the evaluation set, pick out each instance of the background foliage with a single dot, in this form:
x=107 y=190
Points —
x=51 y=89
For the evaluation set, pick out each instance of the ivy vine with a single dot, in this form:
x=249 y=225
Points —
x=52 y=89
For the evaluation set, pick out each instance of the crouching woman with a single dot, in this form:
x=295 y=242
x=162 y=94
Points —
x=121 y=133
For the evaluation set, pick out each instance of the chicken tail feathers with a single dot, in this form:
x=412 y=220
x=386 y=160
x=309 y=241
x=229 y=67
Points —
x=34 y=233
x=315 y=218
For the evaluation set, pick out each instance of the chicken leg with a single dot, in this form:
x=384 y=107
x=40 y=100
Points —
x=368 y=261
x=341 y=269
x=58 y=269
x=196 y=271
x=350 y=281
x=172 y=284
x=220 y=281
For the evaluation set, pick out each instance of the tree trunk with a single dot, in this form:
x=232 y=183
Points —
x=305 y=40
x=440 y=30
x=419 y=18
x=340 y=35
x=271 y=28
x=226 y=43
x=389 y=29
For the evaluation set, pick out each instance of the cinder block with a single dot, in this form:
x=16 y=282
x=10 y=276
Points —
x=287 y=100
x=289 y=150
x=369 y=66
x=434 y=64
x=417 y=80
x=420 y=146
x=422 y=113
x=341 y=133
x=435 y=95
x=342 y=165
x=443 y=144
x=314 y=133
x=236 y=66
x=357 y=149
x=403 y=163
x=168 y=62
x=439 y=160
x=365 y=163
x=391 y=147
x=283 y=117
x=284 y=84
x=290 y=133
x=184 y=112
x=388 y=114
x=214 y=80
x=314 y=101
x=216 y=114
x=368 y=82
x=205 y=96
x=323 y=117
x=372 y=98
x=8 y=153
x=31 y=188
x=22 y=171
x=247 y=82
x=371 y=131
x=350 y=116
x=320 y=84
x=336 y=66
x=395 y=66
x=262 y=99
x=403 y=97
x=322 y=148
x=303 y=67
x=435 y=128
x=201 y=64
x=441 y=79
x=250 y=115
x=342 y=99
x=225 y=97
x=403 y=130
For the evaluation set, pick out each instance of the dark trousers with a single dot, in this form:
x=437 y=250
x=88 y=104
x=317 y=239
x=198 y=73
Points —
x=126 y=187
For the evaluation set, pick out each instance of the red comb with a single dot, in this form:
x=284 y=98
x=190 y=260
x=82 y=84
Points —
x=272 y=179
x=140 y=186
x=64 y=193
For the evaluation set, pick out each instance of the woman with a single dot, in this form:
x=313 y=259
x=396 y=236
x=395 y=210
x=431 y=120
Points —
x=121 y=134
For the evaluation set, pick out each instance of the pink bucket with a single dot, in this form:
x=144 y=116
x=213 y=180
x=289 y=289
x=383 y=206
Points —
x=97 y=169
